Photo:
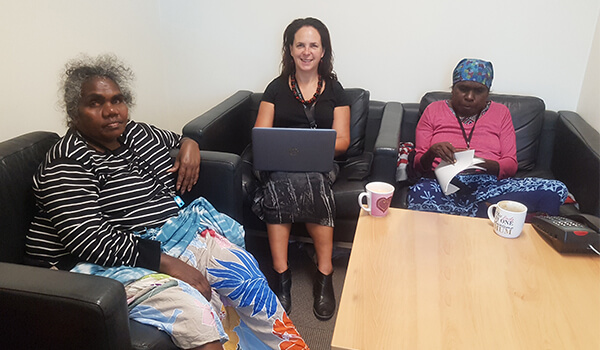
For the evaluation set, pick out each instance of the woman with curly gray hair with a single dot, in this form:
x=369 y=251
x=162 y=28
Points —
x=108 y=204
x=79 y=70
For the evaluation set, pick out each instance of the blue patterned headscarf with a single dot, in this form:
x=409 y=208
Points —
x=472 y=69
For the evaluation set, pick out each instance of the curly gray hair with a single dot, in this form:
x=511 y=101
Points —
x=80 y=70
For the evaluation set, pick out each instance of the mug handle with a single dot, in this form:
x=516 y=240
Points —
x=360 y=203
x=491 y=213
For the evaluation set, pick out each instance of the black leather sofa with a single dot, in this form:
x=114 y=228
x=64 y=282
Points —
x=41 y=308
x=46 y=309
x=552 y=145
x=372 y=155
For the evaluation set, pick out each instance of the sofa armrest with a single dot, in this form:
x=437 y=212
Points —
x=546 y=144
x=576 y=160
x=385 y=151
x=220 y=182
x=225 y=127
x=43 y=308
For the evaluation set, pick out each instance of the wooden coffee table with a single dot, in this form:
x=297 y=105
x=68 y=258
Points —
x=419 y=280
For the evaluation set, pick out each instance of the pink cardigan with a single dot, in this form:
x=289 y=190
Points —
x=493 y=137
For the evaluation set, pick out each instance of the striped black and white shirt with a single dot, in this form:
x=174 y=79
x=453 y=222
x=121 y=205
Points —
x=90 y=203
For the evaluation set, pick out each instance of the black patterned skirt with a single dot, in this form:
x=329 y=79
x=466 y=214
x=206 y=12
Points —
x=296 y=197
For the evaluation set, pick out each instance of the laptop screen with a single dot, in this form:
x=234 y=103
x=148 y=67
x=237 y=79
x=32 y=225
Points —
x=293 y=149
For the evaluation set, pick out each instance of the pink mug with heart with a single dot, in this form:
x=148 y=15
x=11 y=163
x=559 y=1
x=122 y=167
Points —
x=379 y=196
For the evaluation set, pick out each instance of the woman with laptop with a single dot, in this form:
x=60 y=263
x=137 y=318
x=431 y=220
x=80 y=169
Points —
x=306 y=94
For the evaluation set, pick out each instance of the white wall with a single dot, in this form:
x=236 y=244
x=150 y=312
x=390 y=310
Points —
x=189 y=55
x=589 y=99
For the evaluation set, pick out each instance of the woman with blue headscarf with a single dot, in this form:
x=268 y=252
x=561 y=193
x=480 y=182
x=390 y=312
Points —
x=468 y=120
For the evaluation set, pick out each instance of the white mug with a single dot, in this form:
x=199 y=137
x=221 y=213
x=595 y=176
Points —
x=379 y=196
x=508 y=219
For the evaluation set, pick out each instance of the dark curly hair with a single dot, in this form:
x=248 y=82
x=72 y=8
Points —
x=287 y=61
x=81 y=69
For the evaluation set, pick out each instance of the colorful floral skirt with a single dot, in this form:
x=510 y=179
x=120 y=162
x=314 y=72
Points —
x=241 y=298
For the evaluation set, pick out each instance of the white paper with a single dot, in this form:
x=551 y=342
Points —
x=445 y=171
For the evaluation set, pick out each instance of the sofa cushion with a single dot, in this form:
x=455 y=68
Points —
x=249 y=180
x=527 y=115
x=359 y=109
x=346 y=194
x=19 y=159
x=358 y=167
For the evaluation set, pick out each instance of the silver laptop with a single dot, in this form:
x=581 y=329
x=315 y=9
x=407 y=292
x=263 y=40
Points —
x=293 y=149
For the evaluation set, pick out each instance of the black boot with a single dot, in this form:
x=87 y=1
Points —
x=282 y=289
x=324 y=305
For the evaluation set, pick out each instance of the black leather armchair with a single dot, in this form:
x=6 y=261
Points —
x=372 y=155
x=45 y=309
x=552 y=145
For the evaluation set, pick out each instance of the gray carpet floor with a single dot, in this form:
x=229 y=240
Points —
x=317 y=334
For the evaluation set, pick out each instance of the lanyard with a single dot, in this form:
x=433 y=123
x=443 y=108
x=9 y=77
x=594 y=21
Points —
x=309 y=111
x=310 y=114
x=462 y=128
